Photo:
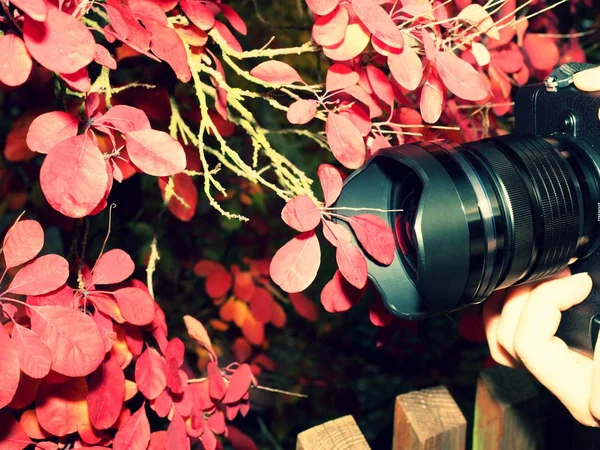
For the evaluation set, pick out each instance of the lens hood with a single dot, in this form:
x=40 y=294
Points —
x=441 y=230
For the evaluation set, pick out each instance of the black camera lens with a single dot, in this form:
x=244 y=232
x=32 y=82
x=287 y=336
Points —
x=476 y=217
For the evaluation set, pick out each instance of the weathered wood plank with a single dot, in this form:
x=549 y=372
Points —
x=429 y=420
x=507 y=411
x=338 y=434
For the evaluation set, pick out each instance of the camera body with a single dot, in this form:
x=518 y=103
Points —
x=493 y=213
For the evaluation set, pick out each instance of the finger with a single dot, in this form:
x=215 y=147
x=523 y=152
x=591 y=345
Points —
x=511 y=312
x=547 y=357
x=588 y=80
x=491 y=317
x=595 y=390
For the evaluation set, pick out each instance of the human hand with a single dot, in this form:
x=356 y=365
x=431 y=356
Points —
x=520 y=325
x=588 y=80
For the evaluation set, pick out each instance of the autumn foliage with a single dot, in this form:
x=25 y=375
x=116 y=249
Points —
x=165 y=89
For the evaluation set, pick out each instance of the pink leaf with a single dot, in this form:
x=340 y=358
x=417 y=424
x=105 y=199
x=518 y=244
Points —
x=13 y=435
x=78 y=81
x=335 y=232
x=432 y=98
x=345 y=141
x=378 y=22
x=135 y=433
x=218 y=283
x=49 y=129
x=330 y=29
x=381 y=85
x=301 y=213
x=375 y=236
x=322 y=7
x=40 y=276
x=73 y=176
x=223 y=32
x=276 y=72
x=35 y=357
x=55 y=49
x=155 y=152
x=295 y=265
x=216 y=385
x=106 y=393
x=338 y=295
x=36 y=9
x=125 y=118
x=477 y=16
x=113 y=266
x=136 y=305
x=198 y=13
x=73 y=338
x=9 y=369
x=151 y=373
x=177 y=438
x=379 y=314
x=460 y=77
x=168 y=46
x=356 y=39
x=15 y=62
x=302 y=111
x=234 y=18
x=197 y=332
x=23 y=241
x=406 y=68
x=352 y=264
x=542 y=52
x=331 y=181
x=304 y=306
x=239 y=384
x=340 y=76
x=103 y=57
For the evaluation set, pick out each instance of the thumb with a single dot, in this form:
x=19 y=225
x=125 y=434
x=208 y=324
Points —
x=588 y=80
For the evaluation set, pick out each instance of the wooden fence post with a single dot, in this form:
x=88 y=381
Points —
x=338 y=434
x=428 y=420
x=506 y=411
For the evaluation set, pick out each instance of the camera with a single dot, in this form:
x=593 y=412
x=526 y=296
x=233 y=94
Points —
x=476 y=217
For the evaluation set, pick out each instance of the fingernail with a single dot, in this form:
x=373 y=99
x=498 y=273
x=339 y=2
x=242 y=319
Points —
x=579 y=276
x=588 y=80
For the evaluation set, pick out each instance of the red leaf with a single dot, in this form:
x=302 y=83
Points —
x=304 y=306
x=223 y=32
x=352 y=264
x=335 y=232
x=345 y=141
x=15 y=62
x=301 y=213
x=428 y=45
x=158 y=440
x=406 y=68
x=355 y=41
x=106 y=393
x=295 y=265
x=168 y=46
x=378 y=22
x=276 y=72
x=177 y=438
x=73 y=338
x=55 y=49
x=239 y=383
x=381 y=85
x=136 y=305
x=135 y=433
x=239 y=440
x=51 y=128
x=542 y=52
x=331 y=181
x=216 y=385
x=40 y=276
x=218 y=283
x=198 y=13
x=125 y=119
x=322 y=7
x=155 y=152
x=432 y=98
x=73 y=176
x=113 y=266
x=378 y=313
x=9 y=368
x=186 y=189
x=103 y=57
x=23 y=241
x=61 y=406
x=197 y=332
x=16 y=149
x=330 y=29
x=61 y=297
x=375 y=236
x=262 y=305
x=36 y=9
x=340 y=76
x=302 y=111
x=151 y=373
x=338 y=295
x=460 y=77
x=234 y=18
x=12 y=434
x=35 y=357
x=78 y=81
x=379 y=143
x=126 y=25
x=209 y=441
x=176 y=351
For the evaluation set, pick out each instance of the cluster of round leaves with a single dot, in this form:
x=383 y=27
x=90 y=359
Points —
x=84 y=366
x=414 y=63
x=295 y=265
